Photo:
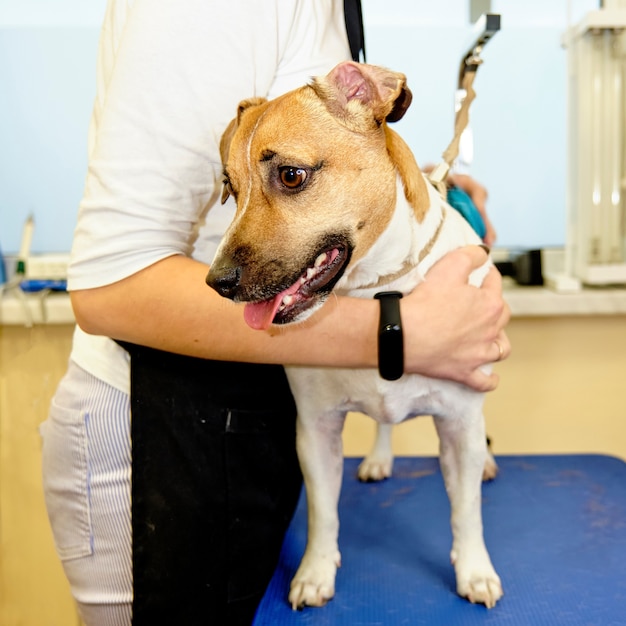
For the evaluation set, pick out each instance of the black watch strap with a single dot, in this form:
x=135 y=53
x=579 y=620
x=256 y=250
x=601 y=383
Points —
x=390 y=338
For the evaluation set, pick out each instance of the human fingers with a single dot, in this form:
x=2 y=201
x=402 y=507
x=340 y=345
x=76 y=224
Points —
x=492 y=281
x=459 y=264
x=499 y=313
x=482 y=381
x=503 y=347
x=492 y=285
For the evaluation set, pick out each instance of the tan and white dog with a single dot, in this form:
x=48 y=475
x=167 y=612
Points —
x=330 y=198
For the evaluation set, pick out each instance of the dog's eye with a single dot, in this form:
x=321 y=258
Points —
x=292 y=177
x=227 y=189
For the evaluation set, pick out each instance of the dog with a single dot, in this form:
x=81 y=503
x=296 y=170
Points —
x=330 y=199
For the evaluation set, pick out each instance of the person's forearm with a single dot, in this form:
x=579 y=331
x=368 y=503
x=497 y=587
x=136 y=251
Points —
x=168 y=306
x=451 y=329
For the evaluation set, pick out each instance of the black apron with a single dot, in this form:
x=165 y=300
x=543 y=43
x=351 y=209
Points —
x=214 y=485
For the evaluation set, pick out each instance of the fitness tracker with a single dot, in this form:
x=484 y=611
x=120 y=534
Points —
x=390 y=339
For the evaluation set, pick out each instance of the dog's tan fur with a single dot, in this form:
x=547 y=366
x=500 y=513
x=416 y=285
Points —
x=327 y=192
x=357 y=146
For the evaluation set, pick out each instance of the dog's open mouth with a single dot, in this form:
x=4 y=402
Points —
x=316 y=281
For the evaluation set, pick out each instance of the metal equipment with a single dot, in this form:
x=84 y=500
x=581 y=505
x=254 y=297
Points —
x=595 y=252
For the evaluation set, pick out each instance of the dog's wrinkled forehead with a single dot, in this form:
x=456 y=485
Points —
x=283 y=126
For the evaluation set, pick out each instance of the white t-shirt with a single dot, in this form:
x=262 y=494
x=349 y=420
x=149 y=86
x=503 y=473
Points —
x=170 y=77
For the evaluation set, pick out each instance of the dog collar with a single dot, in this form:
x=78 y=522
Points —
x=390 y=337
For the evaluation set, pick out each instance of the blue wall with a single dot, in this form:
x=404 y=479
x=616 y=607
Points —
x=47 y=84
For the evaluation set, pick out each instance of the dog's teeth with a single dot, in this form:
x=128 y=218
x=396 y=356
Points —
x=287 y=300
x=320 y=259
x=310 y=273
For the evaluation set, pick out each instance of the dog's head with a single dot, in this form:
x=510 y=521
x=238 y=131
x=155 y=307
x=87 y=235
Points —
x=315 y=186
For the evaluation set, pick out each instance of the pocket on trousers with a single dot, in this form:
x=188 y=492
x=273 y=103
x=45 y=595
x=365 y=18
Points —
x=65 y=464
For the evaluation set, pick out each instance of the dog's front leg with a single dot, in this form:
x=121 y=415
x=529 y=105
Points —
x=462 y=458
x=320 y=451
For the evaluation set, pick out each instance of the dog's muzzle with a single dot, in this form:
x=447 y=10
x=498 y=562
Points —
x=282 y=300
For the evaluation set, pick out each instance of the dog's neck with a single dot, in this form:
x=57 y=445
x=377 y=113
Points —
x=394 y=262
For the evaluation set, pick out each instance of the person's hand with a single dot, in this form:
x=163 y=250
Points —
x=478 y=194
x=452 y=329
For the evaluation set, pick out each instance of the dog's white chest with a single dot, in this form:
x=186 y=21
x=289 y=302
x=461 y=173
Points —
x=323 y=391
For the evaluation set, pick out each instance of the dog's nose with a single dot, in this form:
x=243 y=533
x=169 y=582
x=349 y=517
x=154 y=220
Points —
x=224 y=279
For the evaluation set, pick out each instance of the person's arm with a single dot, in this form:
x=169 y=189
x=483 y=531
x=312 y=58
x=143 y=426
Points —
x=450 y=327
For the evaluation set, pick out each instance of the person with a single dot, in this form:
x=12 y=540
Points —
x=194 y=536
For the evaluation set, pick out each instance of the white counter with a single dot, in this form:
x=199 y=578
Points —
x=53 y=308
x=541 y=301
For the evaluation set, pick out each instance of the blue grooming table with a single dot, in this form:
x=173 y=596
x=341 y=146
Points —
x=555 y=527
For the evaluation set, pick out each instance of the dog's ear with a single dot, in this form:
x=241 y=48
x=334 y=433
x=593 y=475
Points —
x=382 y=91
x=228 y=134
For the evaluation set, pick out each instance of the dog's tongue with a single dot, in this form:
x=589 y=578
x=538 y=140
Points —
x=259 y=315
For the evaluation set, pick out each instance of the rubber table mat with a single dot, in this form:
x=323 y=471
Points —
x=555 y=527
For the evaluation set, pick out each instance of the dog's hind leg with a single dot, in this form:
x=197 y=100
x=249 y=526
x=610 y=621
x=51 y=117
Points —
x=378 y=464
x=320 y=451
x=490 y=470
x=462 y=458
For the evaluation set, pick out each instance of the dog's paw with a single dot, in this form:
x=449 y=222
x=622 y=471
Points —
x=375 y=468
x=485 y=590
x=314 y=582
x=480 y=585
x=490 y=470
